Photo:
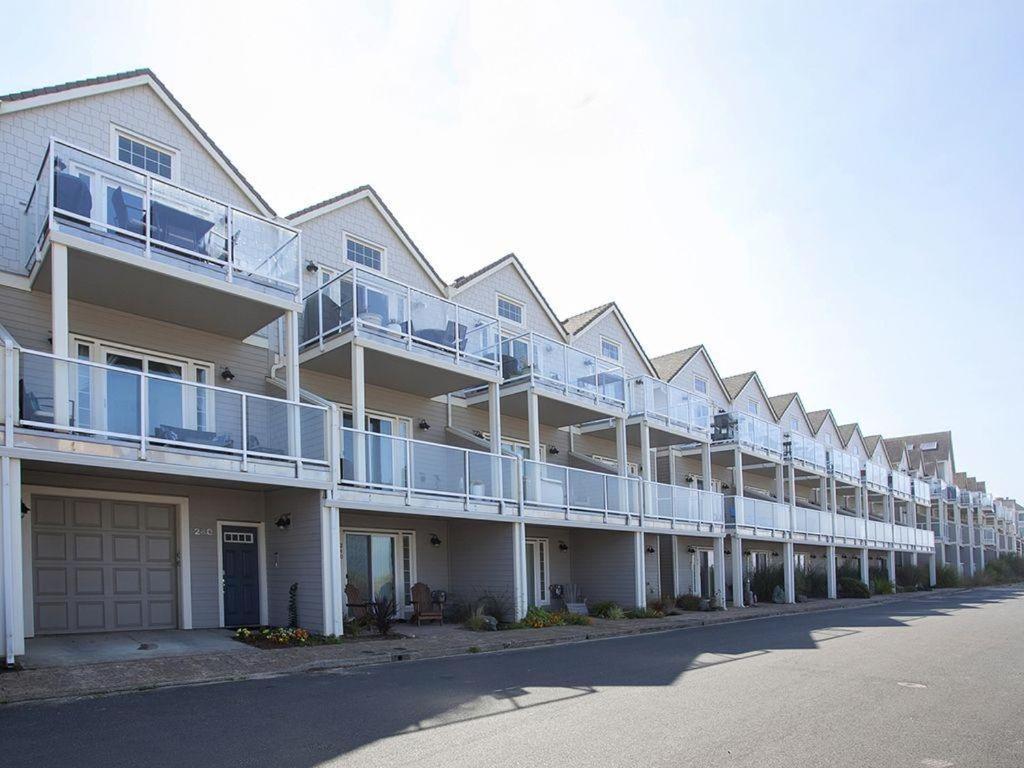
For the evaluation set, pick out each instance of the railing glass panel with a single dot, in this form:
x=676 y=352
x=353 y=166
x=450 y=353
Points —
x=748 y=431
x=665 y=403
x=849 y=527
x=845 y=466
x=675 y=502
x=807 y=451
x=876 y=476
x=551 y=485
x=900 y=483
x=551 y=364
x=922 y=491
x=756 y=513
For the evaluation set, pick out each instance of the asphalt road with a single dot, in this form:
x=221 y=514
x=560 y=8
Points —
x=929 y=681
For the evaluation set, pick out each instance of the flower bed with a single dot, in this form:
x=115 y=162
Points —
x=284 y=637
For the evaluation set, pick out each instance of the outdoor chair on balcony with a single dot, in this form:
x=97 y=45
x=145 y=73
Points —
x=193 y=436
x=71 y=193
x=121 y=216
x=332 y=314
x=428 y=606
x=512 y=367
x=35 y=407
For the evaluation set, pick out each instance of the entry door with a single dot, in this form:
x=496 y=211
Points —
x=706 y=572
x=537 y=572
x=241 y=576
x=370 y=565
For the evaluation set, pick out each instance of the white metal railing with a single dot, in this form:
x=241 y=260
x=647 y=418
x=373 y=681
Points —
x=132 y=210
x=813 y=522
x=667 y=404
x=964 y=497
x=844 y=466
x=876 y=477
x=756 y=513
x=924 y=538
x=748 y=431
x=848 y=527
x=399 y=315
x=569 y=371
x=877 y=531
x=985 y=500
x=683 y=504
x=807 y=452
x=580 y=490
x=422 y=469
x=988 y=536
x=119 y=405
x=900 y=484
x=952 y=532
x=922 y=491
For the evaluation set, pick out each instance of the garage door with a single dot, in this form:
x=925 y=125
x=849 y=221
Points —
x=101 y=565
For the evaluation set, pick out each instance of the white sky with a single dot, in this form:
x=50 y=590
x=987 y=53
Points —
x=828 y=194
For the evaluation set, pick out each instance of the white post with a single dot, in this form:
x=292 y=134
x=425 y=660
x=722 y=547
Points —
x=640 y=570
x=705 y=467
x=675 y=565
x=334 y=593
x=737 y=472
x=932 y=575
x=59 y=332
x=970 y=540
x=533 y=424
x=494 y=417
x=520 y=598
x=720 y=571
x=291 y=353
x=12 y=591
x=789 y=576
x=737 y=570
x=358 y=414
x=647 y=468
x=865 y=576
x=622 y=460
x=891 y=567
x=830 y=565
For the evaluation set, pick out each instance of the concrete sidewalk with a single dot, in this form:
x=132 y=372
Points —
x=244 y=662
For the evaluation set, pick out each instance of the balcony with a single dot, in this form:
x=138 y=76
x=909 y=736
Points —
x=558 y=492
x=673 y=415
x=901 y=485
x=807 y=453
x=812 y=524
x=985 y=500
x=844 y=466
x=140 y=244
x=761 y=516
x=951 y=534
x=876 y=477
x=684 y=507
x=412 y=340
x=749 y=433
x=964 y=498
x=574 y=387
x=922 y=492
x=849 y=528
x=988 y=536
x=88 y=413
x=878 y=534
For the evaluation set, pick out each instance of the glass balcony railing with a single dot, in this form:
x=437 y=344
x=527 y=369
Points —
x=422 y=469
x=988 y=536
x=661 y=402
x=985 y=500
x=124 y=406
x=400 y=316
x=951 y=533
x=750 y=512
x=556 y=366
x=922 y=492
x=849 y=527
x=683 y=504
x=748 y=431
x=844 y=466
x=878 y=532
x=964 y=497
x=876 y=477
x=812 y=522
x=122 y=207
x=580 y=490
x=807 y=452
x=900 y=484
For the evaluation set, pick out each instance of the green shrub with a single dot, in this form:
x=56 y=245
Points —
x=538 y=617
x=811 y=582
x=880 y=585
x=688 y=602
x=644 y=613
x=912 y=577
x=849 y=587
x=848 y=571
x=764 y=580
x=608 y=610
x=577 y=619
x=947 y=576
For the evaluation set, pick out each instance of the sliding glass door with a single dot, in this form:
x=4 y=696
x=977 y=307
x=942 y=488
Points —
x=370 y=566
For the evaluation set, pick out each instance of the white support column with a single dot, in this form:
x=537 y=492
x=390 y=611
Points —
x=864 y=567
x=940 y=547
x=830 y=566
x=59 y=333
x=675 y=565
x=719 y=555
x=789 y=576
x=533 y=425
x=291 y=359
x=932 y=574
x=520 y=598
x=970 y=541
x=647 y=468
x=737 y=472
x=640 y=570
x=358 y=413
x=494 y=419
x=890 y=562
x=12 y=591
x=737 y=571
x=780 y=483
x=334 y=593
x=705 y=465
x=621 y=452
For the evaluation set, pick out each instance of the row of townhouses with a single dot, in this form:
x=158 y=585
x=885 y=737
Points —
x=207 y=405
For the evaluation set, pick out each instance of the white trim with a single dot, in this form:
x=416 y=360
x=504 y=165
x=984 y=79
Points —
x=618 y=350
x=614 y=310
x=261 y=553
x=184 y=548
x=345 y=237
x=117 y=130
x=396 y=534
x=83 y=91
x=699 y=377
x=500 y=297
x=367 y=194
x=536 y=583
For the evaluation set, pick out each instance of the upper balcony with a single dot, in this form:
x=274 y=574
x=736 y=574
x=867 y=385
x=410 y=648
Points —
x=573 y=387
x=750 y=433
x=876 y=477
x=759 y=517
x=844 y=467
x=921 y=490
x=806 y=453
x=140 y=244
x=78 y=412
x=988 y=536
x=901 y=485
x=413 y=341
x=985 y=500
x=673 y=415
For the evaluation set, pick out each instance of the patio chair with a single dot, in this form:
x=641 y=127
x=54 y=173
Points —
x=356 y=606
x=426 y=607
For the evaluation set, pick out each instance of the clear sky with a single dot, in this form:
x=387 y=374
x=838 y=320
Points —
x=828 y=193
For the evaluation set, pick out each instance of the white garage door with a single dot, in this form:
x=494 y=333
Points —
x=101 y=565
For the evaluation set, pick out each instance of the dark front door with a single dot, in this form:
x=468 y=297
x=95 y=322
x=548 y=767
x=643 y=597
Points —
x=241 y=576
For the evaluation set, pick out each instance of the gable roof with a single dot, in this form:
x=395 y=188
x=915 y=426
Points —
x=781 y=402
x=669 y=365
x=740 y=381
x=943 y=446
x=366 y=192
x=817 y=418
x=894 y=450
x=846 y=432
x=76 y=89
x=509 y=259
x=871 y=443
x=577 y=325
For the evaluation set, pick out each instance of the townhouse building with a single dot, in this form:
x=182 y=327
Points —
x=212 y=412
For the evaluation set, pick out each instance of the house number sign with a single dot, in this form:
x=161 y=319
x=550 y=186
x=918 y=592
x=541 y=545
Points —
x=202 y=531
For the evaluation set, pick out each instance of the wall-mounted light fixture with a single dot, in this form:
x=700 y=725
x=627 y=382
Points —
x=553 y=451
x=649 y=549
x=227 y=375
x=691 y=550
x=283 y=522
x=311 y=266
x=690 y=478
x=563 y=547
x=435 y=540
x=424 y=425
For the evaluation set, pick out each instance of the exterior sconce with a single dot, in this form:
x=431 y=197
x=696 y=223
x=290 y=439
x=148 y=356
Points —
x=690 y=478
x=563 y=547
x=284 y=522
x=435 y=540
x=775 y=554
x=227 y=375
x=553 y=451
x=423 y=425
x=691 y=550
x=649 y=549
x=311 y=266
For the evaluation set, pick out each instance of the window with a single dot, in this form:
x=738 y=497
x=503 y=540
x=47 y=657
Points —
x=144 y=155
x=700 y=384
x=856 y=451
x=794 y=424
x=799 y=561
x=364 y=254
x=510 y=310
x=519 y=448
x=929 y=446
x=631 y=467
x=752 y=407
x=828 y=440
x=611 y=350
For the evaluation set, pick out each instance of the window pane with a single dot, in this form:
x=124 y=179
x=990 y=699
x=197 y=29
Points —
x=364 y=254
x=510 y=311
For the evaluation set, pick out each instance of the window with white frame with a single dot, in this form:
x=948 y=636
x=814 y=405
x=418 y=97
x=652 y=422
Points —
x=752 y=407
x=631 y=467
x=145 y=154
x=520 y=448
x=929 y=446
x=611 y=350
x=700 y=384
x=364 y=253
x=509 y=310
x=855 y=451
x=828 y=439
x=794 y=424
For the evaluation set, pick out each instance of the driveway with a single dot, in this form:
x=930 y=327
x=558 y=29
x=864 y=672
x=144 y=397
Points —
x=74 y=650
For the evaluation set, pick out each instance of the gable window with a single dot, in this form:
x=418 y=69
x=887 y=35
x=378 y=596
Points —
x=510 y=310
x=611 y=350
x=827 y=439
x=794 y=424
x=364 y=253
x=929 y=446
x=856 y=451
x=752 y=407
x=700 y=384
x=145 y=154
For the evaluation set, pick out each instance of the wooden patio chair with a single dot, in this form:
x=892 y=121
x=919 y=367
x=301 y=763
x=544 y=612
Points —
x=353 y=601
x=427 y=609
